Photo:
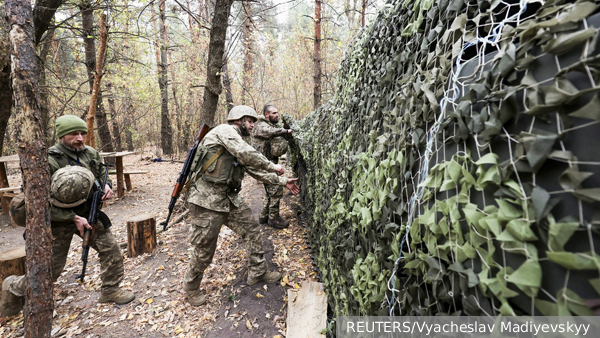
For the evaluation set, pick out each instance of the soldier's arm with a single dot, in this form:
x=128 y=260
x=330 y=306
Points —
x=245 y=153
x=265 y=130
x=266 y=177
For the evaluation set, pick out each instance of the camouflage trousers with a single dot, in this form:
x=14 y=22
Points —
x=111 y=258
x=204 y=233
x=273 y=196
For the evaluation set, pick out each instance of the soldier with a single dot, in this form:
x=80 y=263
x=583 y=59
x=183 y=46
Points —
x=221 y=161
x=268 y=138
x=73 y=168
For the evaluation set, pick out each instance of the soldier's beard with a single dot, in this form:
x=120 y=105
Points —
x=244 y=130
x=273 y=119
x=75 y=149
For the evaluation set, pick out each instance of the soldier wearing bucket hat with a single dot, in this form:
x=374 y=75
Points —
x=221 y=161
x=73 y=167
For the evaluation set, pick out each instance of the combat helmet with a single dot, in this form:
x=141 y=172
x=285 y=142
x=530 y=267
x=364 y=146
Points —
x=70 y=186
x=238 y=112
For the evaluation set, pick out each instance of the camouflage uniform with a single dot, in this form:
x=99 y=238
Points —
x=215 y=204
x=264 y=131
x=63 y=227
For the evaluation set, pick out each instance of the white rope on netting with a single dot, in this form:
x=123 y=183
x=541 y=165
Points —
x=491 y=39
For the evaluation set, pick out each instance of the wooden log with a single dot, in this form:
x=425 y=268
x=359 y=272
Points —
x=128 y=182
x=307 y=311
x=12 y=262
x=141 y=235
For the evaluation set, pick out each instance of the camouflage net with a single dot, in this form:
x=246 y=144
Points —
x=453 y=171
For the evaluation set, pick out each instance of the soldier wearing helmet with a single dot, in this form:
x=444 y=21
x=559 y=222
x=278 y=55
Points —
x=221 y=161
x=73 y=168
x=268 y=138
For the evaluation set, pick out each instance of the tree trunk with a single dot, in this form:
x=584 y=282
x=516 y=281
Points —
x=12 y=262
x=364 y=10
x=227 y=85
x=247 y=41
x=113 y=118
x=216 y=48
x=34 y=166
x=141 y=235
x=94 y=70
x=317 y=57
x=127 y=123
x=5 y=87
x=42 y=80
x=5 y=103
x=166 y=133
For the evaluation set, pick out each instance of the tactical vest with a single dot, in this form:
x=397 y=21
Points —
x=224 y=170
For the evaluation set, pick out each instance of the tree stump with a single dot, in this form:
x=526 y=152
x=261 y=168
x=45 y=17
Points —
x=141 y=235
x=12 y=262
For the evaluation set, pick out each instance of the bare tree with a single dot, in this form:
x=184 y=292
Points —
x=247 y=42
x=166 y=140
x=216 y=49
x=87 y=22
x=35 y=169
x=227 y=85
x=317 y=55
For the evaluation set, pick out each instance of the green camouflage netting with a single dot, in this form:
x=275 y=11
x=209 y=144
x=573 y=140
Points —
x=455 y=171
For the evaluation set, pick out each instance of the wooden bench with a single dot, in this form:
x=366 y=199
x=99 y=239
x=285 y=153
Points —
x=127 y=178
x=6 y=194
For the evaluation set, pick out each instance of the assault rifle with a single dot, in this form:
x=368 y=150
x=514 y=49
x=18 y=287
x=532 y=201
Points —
x=92 y=219
x=185 y=172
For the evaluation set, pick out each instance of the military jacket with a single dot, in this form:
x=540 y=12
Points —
x=264 y=131
x=60 y=156
x=217 y=197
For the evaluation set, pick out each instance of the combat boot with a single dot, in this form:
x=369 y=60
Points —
x=116 y=295
x=267 y=277
x=196 y=298
x=10 y=304
x=278 y=223
x=263 y=221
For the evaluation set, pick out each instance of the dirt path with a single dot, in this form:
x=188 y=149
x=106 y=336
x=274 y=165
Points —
x=160 y=309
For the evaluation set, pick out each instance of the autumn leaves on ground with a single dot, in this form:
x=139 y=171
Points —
x=160 y=309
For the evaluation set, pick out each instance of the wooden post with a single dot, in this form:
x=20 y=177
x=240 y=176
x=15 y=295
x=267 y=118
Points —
x=128 y=182
x=12 y=262
x=120 y=185
x=141 y=235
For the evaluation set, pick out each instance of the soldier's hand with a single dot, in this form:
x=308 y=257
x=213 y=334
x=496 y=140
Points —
x=290 y=131
x=108 y=193
x=292 y=186
x=279 y=169
x=81 y=223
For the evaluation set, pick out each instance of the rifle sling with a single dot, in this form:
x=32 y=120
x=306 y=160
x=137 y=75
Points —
x=212 y=160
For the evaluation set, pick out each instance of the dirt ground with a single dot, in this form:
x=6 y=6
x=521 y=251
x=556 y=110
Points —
x=160 y=309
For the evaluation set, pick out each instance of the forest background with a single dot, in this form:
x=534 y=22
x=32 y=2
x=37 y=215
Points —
x=154 y=72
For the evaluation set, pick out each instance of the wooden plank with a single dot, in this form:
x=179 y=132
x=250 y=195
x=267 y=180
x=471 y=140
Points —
x=9 y=158
x=307 y=311
x=10 y=189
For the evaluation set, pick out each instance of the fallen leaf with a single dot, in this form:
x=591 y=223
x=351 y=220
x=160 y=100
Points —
x=265 y=287
x=296 y=286
x=149 y=300
x=284 y=280
x=248 y=325
x=258 y=295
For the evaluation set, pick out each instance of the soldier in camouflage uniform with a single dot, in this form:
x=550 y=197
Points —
x=268 y=138
x=69 y=216
x=221 y=161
